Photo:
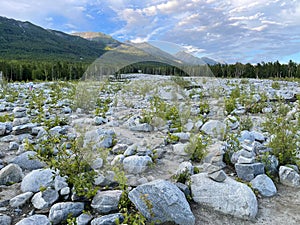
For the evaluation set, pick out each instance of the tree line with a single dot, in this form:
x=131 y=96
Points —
x=18 y=70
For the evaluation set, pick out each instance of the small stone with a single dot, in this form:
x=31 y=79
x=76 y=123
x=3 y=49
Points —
x=248 y=171
x=59 y=212
x=5 y=220
x=108 y=219
x=264 y=185
x=13 y=146
x=12 y=173
x=218 y=176
x=35 y=220
x=83 y=219
x=289 y=176
x=179 y=149
x=119 y=149
x=44 y=199
x=97 y=164
x=20 y=200
x=106 y=201
x=244 y=160
x=65 y=191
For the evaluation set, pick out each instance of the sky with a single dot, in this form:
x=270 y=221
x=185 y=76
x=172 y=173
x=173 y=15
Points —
x=225 y=30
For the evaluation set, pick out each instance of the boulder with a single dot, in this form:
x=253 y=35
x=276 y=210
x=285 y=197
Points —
x=229 y=197
x=27 y=161
x=106 y=201
x=83 y=219
x=168 y=203
x=136 y=164
x=185 y=167
x=13 y=146
x=183 y=137
x=20 y=200
x=247 y=172
x=108 y=219
x=214 y=128
x=264 y=185
x=179 y=149
x=99 y=138
x=289 y=177
x=59 y=212
x=2 y=129
x=19 y=112
x=36 y=179
x=35 y=220
x=23 y=129
x=12 y=173
x=5 y=220
x=44 y=199
x=144 y=127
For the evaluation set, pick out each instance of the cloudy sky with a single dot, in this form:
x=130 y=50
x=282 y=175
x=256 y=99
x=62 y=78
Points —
x=228 y=30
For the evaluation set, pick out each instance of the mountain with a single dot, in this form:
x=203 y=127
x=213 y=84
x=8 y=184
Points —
x=192 y=60
x=24 y=40
x=98 y=37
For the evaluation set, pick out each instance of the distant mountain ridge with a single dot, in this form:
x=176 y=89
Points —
x=26 y=41
x=98 y=37
x=193 y=60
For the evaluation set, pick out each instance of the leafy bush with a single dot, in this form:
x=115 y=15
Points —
x=275 y=85
x=284 y=138
x=197 y=147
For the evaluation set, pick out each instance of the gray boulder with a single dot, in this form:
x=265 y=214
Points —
x=20 y=200
x=106 y=201
x=2 y=129
x=27 y=161
x=214 y=128
x=5 y=220
x=35 y=220
x=19 y=112
x=44 y=199
x=13 y=146
x=168 y=203
x=23 y=129
x=59 y=212
x=20 y=121
x=108 y=219
x=247 y=172
x=228 y=197
x=289 y=176
x=36 y=179
x=12 y=173
x=183 y=137
x=264 y=185
x=179 y=149
x=144 y=127
x=99 y=138
x=83 y=219
x=136 y=164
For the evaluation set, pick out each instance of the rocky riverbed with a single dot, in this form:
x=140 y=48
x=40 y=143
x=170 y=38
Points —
x=194 y=150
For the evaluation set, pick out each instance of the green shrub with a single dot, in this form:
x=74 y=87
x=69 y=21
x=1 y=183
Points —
x=197 y=147
x=275 y=85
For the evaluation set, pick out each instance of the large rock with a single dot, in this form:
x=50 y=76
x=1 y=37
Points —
x=27 y=161
x=20 y=200
x=168 y=203
x=59 y=212
x=12 y=173
x=19 y=112
x=35 y=220
x=44 y=199
x=36 y=179
x=247 y=172
x=136 y=164
x=264 y=185
x=99 y=138
x=289 y=176
x=214 y=128
x=23 y=129
x=108 y=219
x=229 y=197
x=106 y=201
x=83 y=219
x=5 y=220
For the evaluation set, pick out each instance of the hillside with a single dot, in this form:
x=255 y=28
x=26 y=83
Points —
x=24 y=40
x=192 y=60
x=98 y=37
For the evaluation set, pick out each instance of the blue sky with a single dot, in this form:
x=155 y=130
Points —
x=232 y=30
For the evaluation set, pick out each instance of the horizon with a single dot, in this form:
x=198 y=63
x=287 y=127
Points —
x=235 y=31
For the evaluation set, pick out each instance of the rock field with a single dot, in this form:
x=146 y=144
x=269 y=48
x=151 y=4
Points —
x=168 y=150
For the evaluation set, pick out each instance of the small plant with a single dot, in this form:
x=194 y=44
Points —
x=284 y=138
x=230 y=104
x=197 y=147
x=275 y=85
x=246 y=123
x=204 y=107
